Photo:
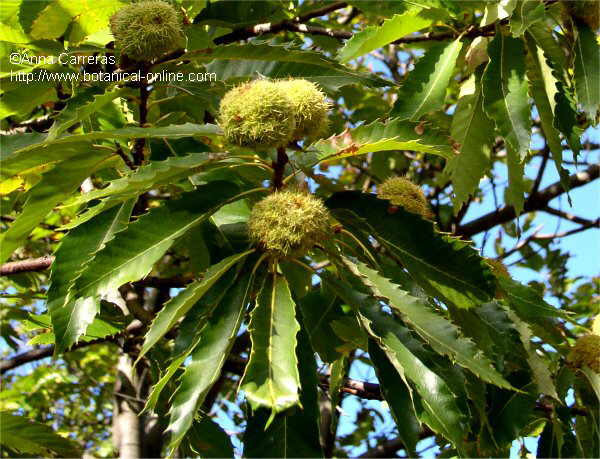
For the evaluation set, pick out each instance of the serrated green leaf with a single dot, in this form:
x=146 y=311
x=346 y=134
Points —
x=208 y=358
x=80 y=107
x=514 y=194
x=495 y=11
x=374 y=37
x=318 y=312
x=587 y=70
x=349 y=330
x=144 y=178
x=337 y=375
x=442 y=412
x=294 y=432
x=539 y=368
x=565 y=110
x=424 y=90
x=179 y=305
x=526 y=301
x=131 y=254
x=472 y=129
x=542 y=86
x=51 y=23
x=531 y=307
x=54 y=187
x=271 y=378
x=10 y=27
x=28 y=438
x=430 y=257
x=65 y=148
x=190 y=332
x=77 y=250
x=236 y=13
x=526 y=13
x=206 y=439
x=99 y=328
x=441 y=334
x=510 y=411
x=377 y=136
x=398 y=396
x=12 y=143
x=505 y=98
x=281 y=61
x=91 y=18
x=594 y=380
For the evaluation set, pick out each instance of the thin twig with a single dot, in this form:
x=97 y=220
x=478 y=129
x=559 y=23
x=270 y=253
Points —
x=279 y=168
x=536 y=201
x=31 y=265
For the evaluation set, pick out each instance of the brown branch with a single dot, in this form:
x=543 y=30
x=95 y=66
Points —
x=521 y=244
x=542 y=169
x=139 y=144
x=170 y=282
x=42 y=263
x=30 y=265
x=259 y=29
x=535 y=201
x=296 y=25
x=567 y=216
x=135 y=328
x=124 y=157
x=279 y=168
x=385 y=449
x=362 y=389
x=595 y=223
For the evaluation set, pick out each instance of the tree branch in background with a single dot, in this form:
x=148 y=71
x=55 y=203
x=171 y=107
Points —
x=595 y=223
x=134 y=328
x=297 y=25
x=542 y=169
x=535 y=201
x=139 y=144
x=279 y=168
x=259 y=29
x=567 y=216
x=30 y=265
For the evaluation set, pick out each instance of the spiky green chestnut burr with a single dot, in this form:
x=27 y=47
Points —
x=288 y=223
x=310 y=107
x=586 y=352
x=402 y=192
x=257 y=115
x=146 y=30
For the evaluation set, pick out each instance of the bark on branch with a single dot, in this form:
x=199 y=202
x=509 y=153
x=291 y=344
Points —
x=297 y=25
x=135 y=328
x=259 y=29
x=32 y=264
x=535 y=201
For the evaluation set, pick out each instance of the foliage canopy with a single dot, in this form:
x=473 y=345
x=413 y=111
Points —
x=210 y=271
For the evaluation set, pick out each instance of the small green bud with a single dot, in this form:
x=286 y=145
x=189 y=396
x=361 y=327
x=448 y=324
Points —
x=288 y=223
x=402 y=192
x=146 y=30
x=310 y=108
x=586 y=352
x=257 y=115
